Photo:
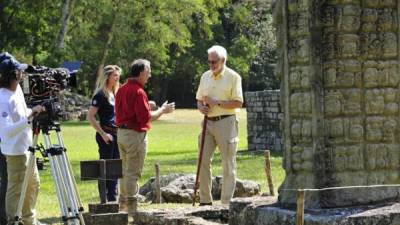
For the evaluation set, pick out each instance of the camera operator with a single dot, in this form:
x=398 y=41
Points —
x=16 y=137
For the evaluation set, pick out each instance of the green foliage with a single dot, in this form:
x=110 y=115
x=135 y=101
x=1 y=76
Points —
x=261 y=74
x=173 y=34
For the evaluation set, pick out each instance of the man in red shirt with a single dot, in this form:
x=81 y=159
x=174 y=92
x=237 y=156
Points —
x=133 y=117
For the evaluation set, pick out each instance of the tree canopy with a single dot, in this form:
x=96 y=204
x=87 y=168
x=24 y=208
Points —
x=173 y=34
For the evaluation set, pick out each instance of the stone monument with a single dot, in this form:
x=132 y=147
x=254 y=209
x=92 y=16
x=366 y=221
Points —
x=340 y=93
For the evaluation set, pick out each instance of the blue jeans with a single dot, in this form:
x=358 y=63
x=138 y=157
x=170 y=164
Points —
x=3 y=189
x=109 y=151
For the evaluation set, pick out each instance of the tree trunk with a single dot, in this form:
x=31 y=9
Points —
x=66 y=15
x=164 y=90
x=110 y=36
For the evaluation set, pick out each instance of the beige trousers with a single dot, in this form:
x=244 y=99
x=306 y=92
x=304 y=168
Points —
x=16 y=167
x=132 y=149
x=224 y=134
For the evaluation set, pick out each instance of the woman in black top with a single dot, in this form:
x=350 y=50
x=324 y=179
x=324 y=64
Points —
x=103 y=106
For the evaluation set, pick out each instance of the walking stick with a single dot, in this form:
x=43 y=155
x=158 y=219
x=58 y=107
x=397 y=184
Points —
x=203 y=135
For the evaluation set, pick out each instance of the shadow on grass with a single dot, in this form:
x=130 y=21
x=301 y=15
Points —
x=74 y=124
x=163 y=153
x=52 y=220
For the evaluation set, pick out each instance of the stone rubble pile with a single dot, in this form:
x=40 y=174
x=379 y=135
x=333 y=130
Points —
x=178 y=188
x=74 y=106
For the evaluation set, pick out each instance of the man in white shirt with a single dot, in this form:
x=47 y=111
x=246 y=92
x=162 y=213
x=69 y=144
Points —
x=220 y=98
x=16 y=137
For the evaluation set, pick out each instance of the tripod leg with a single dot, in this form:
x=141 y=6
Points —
x=28 y=174
x=69 y=167
x=69 y=173
x=71 y=190
x=62 y=198
x=69 y=199
x=66 y=197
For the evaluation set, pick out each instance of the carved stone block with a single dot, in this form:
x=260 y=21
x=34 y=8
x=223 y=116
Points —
x=352 y=101
x=386 y=21
x=348 y=45
x=301 y=131
x=336 y=128
x=355 y=130
x=390 y=73
x=298 y=24
x=298 y=5
x=348 y=158
x=374 y=101
x=300 y=77
x=300 y=103
x=299 y=51
x=345 y=74
x=349 y=18
x=369 y=15
x=371 y=46
x=389 y=45
x=343 y=130
x=374 y=129
x=379 y=3
x=333 y=103
x=302 y=159
x=382 y=157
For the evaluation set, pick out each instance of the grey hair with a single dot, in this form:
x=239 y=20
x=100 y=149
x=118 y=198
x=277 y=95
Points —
x=138 y=66
x=220 y=51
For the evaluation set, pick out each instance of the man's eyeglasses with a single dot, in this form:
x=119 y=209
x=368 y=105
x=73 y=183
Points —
x=212 y=62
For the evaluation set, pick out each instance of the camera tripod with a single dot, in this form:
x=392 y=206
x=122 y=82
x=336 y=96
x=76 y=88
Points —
x=66 y=188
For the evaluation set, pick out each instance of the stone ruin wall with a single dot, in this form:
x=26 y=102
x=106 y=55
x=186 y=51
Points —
x=263 y=120
x=340 y=75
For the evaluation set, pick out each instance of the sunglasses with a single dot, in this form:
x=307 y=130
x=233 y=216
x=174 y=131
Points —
x=212 y=62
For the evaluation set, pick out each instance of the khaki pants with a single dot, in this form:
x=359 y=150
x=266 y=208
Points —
x=224 y=134
x=132 y=149
x=16 y=167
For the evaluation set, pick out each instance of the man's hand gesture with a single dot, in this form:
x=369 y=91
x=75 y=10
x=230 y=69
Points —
x=168 y=107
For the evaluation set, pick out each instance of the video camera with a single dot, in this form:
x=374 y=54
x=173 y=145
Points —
x=42 y=85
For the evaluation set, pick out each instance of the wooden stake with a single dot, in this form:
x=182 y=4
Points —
x=102 y=182
x=268 y=172
x=300 y=207
x=158 y=185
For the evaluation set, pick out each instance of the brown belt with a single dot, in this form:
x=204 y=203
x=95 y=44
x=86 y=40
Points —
x=123 y=126
x=109 y=129
x=216 y=118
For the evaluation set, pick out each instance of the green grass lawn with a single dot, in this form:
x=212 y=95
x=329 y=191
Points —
x=172 y=144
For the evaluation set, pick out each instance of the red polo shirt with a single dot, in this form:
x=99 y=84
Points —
x=132 y=107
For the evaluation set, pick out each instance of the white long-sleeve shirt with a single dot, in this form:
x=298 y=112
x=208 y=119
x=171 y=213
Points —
x=15 y=131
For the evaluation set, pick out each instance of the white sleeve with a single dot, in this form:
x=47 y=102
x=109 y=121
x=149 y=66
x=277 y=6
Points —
x=200 y=90
x=10 y=130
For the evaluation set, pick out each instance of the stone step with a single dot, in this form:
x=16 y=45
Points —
x=207 y=215
x=106 y=218
x=97 y=208
x=251 y=212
